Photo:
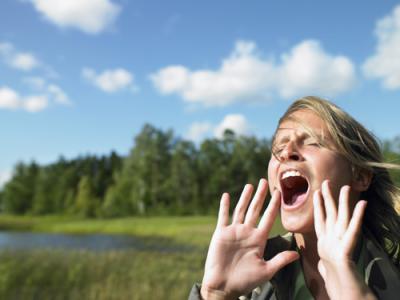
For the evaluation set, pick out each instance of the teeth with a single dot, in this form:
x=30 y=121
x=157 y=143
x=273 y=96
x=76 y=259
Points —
x=290 y=173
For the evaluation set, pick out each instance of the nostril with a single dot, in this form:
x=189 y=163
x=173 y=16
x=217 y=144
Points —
x=294 y=156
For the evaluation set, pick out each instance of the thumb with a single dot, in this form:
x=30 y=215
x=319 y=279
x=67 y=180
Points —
x=279 y=261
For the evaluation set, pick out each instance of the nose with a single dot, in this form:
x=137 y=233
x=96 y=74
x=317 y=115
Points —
x=290 y=153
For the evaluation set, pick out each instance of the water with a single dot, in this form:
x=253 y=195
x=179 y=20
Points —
x=95 y=242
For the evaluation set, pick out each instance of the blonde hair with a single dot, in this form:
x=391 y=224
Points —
x=361 y=149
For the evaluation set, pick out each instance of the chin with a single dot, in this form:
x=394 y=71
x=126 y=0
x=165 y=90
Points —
x=296 y=224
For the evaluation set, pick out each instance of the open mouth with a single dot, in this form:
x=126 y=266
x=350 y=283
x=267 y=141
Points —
x=294 y=187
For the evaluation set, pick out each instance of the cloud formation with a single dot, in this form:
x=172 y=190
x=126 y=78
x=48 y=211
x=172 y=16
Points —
x=198 y=130
x=307 y=68
x=51 y=90
x=23 y=61
x=110 y=80
x=11 y=100
x=89 y=16
x=235 y=122
x=244 y=76
x=384 y=64
x=44 y=94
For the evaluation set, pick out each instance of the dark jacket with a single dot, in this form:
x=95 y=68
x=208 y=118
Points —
x=372 y=262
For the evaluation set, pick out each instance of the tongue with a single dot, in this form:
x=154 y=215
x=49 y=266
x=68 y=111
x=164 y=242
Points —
x=297 y=197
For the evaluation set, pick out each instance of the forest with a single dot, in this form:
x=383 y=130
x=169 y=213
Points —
x=162 y=175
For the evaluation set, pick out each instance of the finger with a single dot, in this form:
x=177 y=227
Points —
x=330 y=206
x=256 y=204
x=270 y=213
x=343 y=211
x=353 y=231
x=241 y=207
x=321 y=269
x=319 y=215
x=223 y=214
x=279 y=261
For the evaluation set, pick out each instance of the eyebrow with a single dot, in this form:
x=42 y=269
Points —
x=285 y=137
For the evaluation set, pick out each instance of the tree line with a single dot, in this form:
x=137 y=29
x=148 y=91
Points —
x=162 y=175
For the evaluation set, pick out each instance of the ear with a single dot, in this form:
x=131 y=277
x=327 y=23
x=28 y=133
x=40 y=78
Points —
x=362 y=180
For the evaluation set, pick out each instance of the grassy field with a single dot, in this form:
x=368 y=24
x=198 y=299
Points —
x=187 y=230
x=92 y=275
x=128 y=274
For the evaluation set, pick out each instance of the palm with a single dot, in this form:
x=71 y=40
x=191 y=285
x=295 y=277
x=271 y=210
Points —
x=235 y=262
x=337 y=230
x=237 y=250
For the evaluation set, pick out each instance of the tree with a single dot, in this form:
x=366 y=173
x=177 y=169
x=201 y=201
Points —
x=183 y=185
x=43 y=200
x=214 y=176
x=18 y=193
x=87 y=204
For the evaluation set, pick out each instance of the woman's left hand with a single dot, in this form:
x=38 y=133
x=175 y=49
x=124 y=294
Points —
x=338 y=228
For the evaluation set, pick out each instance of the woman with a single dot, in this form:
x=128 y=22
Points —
x=326 y=173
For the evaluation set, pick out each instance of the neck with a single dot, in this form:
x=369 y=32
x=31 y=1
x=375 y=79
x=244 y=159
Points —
x=307 y=245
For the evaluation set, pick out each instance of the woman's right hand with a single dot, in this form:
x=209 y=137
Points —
x=235 y=263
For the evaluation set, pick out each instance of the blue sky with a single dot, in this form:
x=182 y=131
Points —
x=81 y=77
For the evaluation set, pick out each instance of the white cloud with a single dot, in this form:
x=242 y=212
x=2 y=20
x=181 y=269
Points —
x=58 y=94
x=35 y=103
x=198 y=130
x=23 y=61
x=90 y=16
x=235 y=122
x=385 y=62
x=11 y=100
x=110 y=80
x=4 y=177
x=242 y=74
x=44 y=92
x=53 y=92
x=245 y=76
x=307 y=69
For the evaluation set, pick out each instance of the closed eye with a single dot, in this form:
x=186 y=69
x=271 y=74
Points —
x=314 y=144
x=277 y=150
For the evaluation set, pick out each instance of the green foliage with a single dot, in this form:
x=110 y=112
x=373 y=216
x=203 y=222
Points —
x=87 y=204
x=183 y=182
x=394 y=158
x=150 y=159
x=19 y=192
x=162 y=175
x=88 y=275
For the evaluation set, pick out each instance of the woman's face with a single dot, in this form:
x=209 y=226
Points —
x=299 y=167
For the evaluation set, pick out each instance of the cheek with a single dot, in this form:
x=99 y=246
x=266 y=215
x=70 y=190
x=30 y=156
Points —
x=272 y=170
x=334 y=168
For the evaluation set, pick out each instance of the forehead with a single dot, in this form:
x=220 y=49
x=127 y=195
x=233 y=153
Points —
x=302 y=122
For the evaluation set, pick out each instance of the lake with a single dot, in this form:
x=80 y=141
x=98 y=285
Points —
x=11 y=240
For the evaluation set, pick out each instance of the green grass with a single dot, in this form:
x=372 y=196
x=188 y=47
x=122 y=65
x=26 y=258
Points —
x=128 y=274
x=89 y=275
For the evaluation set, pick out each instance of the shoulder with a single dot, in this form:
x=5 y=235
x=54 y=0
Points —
x=381 y=275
